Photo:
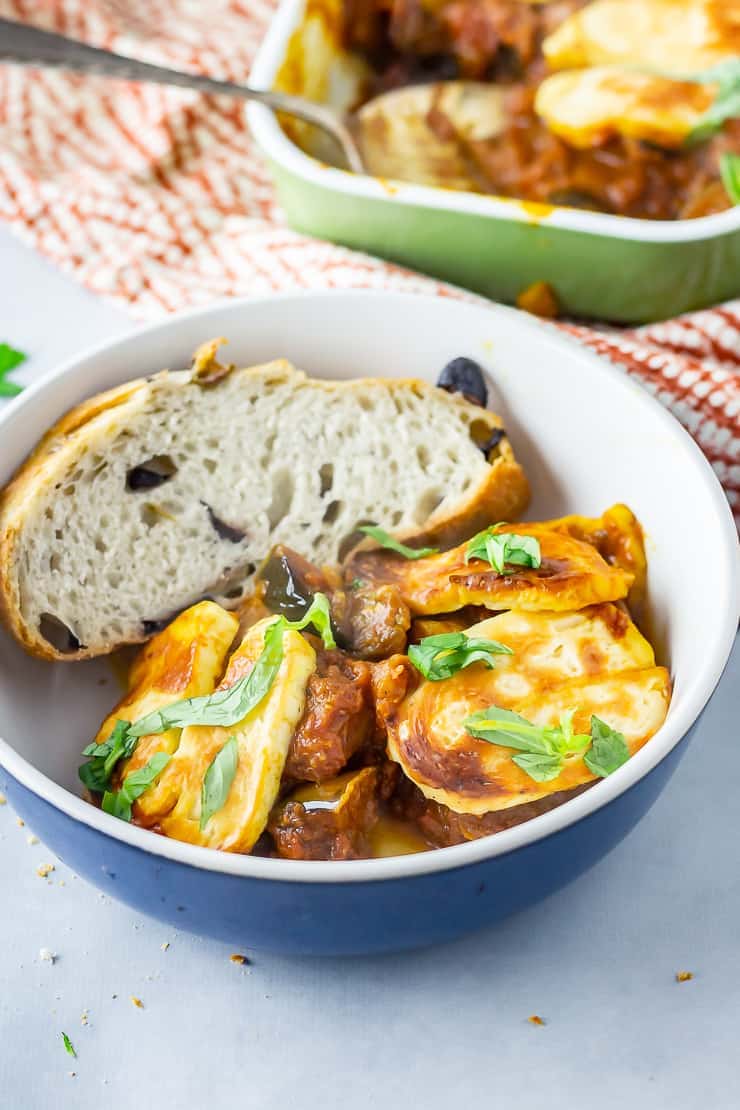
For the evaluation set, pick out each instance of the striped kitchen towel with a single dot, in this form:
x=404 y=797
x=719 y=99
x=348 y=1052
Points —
x=157 y=199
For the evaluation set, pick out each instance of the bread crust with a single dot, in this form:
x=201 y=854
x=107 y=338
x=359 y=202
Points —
x=502 y=494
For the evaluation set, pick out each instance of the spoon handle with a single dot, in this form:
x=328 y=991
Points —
x=30 y=46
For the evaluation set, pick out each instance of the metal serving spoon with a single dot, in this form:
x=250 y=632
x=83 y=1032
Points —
x=391 y=136
x=30 y=46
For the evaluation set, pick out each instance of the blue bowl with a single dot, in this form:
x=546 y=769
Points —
x=588 y=436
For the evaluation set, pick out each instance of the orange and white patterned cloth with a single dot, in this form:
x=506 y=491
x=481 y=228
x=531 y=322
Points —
x=157 y=199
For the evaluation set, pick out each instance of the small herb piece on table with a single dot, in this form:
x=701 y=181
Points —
x=9 y=359
x=440 y=657
x=69 y=1047
x=385 y=540
x=504 y=550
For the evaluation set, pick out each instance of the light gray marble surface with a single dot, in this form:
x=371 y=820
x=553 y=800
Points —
x=441 y=1029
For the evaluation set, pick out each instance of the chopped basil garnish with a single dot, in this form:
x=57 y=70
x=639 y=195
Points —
x=608 y=749
x=217 y=781
x=385 y=540
x=729 y=166
x=440 y=657
x=726 y=104
x=222 y=708
x=69 y=1047
x=502 y=549
x=544 y=750
x=96 y=773
x=119 y=804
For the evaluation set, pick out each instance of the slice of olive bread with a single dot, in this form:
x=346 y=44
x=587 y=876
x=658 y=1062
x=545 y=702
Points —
x=163 y=491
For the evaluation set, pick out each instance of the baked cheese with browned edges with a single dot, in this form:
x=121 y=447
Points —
x=573 y=574
x=593 y=661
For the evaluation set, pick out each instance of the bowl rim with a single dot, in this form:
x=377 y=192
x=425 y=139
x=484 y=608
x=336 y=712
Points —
x=696 y=695
x=279 y=147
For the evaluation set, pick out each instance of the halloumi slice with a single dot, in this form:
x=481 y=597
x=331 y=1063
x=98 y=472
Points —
x=263 y=738
x=594 y=661
x=678 y=37
x=572 y=575
x=587 y=107
x=185 y=660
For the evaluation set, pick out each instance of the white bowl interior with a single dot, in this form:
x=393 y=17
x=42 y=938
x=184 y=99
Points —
x=587 y=435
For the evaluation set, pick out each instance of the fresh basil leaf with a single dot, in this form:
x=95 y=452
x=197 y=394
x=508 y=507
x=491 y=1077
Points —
x=10 y=358
x=729 y=168
x=10 y=389
x=218 y=780
x=96 y=773
x=68 y=1046
x=608 y=749
x=510 y=730
x=541 y=768
x=440 y=657
x=119 y=804
x=726 y=104
x=385 y=540
x=318 y=615
x=502 y=548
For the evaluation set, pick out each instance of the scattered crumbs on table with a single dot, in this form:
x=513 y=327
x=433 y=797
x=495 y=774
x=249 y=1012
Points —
x=84 y=1017
x=684 y=976
x=62 y=882
x=20 y=821
x=535 y=1019
x=137 y=1002
x=72 y=1074
x=114 y=996
x=44 y=870
x=3 y=800
x=165 y=946
x=69 y=1048
x=47 y=955
x=237 y=958
x=32 y=839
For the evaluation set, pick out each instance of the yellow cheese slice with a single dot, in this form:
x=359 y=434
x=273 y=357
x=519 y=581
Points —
x=586 y=107
x=573 y=574
x=263 y=738
x=679 y=37
x=594 y=661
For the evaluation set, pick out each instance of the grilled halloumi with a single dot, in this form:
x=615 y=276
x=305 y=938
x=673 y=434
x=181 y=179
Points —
x=618 y=538
x=587 y=107
x=593 y=661
x=679 y=37
x=185 y=660
x=573 y=574
x=263 y=738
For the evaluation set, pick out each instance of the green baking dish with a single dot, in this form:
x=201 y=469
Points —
x=607 y=267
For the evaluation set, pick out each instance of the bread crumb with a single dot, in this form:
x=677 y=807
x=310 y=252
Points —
x=47 y=954
x=20 y=821
x=3 y=800
x=44 y=870
x=684 y=976
x=32 y=839
x=84 y=1017
x=72 y=1074
x=237 y=958
x=165 y=946
x=535 y=1019
x=137 y=1002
